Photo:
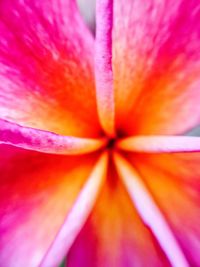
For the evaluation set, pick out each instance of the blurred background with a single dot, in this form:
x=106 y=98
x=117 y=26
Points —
x=87 y=9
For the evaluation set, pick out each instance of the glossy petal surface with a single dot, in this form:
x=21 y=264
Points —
x=156 y=64
x=46 y=67
x=174 y=182
x=37 y=192
x=114 y=235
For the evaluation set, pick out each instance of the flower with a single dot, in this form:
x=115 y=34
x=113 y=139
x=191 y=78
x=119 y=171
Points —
x=95 y=162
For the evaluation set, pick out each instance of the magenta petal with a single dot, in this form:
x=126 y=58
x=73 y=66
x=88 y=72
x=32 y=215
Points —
x=156 y=66
x=114 y=235
x=103 y=65
x=44 y=141
x=37 y=193
x=174 y=182
x=160 y=144
x=150 y=213
x=78 y=215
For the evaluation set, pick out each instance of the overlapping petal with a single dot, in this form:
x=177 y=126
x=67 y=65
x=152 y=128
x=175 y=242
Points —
x=87 y=9
x=174 y=182
x=114 y=234
x=159 y=144
x=150 y=213
x=156 y=65
x=78 y=214
x=46 y=67
x=47 y=142
x=103 y=66
x=37 y=193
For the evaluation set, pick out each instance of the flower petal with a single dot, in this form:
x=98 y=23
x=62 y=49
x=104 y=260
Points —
x=103 y=65
x=46 y=67
x=156 y=66
x=173 y=180
x=87 y=9
x=114 y=234
x=159 y=144
x=43 y=141
x=37 y=193
x=77 y=215
x=150 y=213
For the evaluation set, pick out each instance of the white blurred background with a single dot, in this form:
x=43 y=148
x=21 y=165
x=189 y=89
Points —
x=87 y=9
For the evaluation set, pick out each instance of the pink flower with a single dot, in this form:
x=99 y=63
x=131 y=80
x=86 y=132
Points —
x=94 y=161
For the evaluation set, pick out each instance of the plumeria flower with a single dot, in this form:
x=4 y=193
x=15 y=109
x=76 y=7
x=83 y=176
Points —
x=95 y=163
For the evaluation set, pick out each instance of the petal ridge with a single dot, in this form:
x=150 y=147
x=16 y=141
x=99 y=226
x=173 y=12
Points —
x=103 y=65
x=32 y=34
x=156 y=66
x=78 y=215
x=44 y=141
x=150 y=213
x=160 y=144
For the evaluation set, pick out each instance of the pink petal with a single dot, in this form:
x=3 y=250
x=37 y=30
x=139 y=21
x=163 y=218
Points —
x=173 y=180
x=159 y=144
x=46 y=62
x=87 y=9
x=77 y=216
x=44 y=141
x=150 y=213
x=114 y=235
x=156 y=66
x=37 y=195
x=103 y=65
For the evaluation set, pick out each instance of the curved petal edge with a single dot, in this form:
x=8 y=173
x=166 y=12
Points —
x=150 y=213
x=160 y=144
x=103 y=65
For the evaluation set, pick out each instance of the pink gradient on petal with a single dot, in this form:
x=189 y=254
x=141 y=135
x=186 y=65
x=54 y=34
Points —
x=150 y=213
x=114 y=235
x=44 y=141
x=156 y=66
x=160 y=144
x=47 y=67
x=77 y=216
x=37 y=192
x=103 y=65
